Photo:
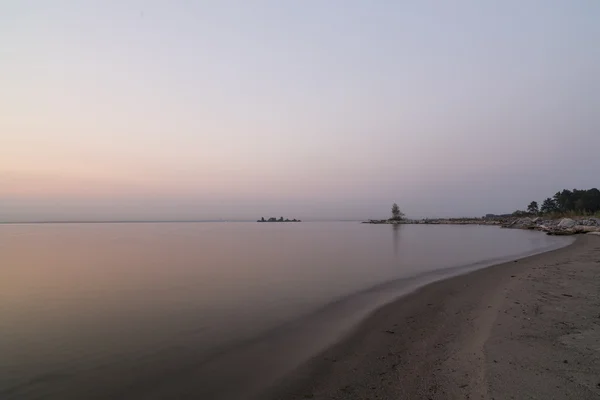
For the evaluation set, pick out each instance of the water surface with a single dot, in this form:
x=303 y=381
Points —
x=206 y=310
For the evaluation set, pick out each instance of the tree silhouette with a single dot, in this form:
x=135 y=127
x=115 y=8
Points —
x=397 y=215
x=548 y=206
x=532 y=208
x=579 y=201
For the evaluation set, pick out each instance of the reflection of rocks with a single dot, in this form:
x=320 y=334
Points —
x=565 y=226
x=273 y=219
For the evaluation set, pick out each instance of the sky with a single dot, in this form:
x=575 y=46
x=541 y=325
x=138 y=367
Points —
x=314 y=109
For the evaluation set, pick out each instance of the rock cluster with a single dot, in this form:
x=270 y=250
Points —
x=273 y=219
x=437 y=221
x=565 y=226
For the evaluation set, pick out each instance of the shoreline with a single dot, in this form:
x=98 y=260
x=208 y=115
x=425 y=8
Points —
x=553 y=226
x=492 y=332
x=250 y=368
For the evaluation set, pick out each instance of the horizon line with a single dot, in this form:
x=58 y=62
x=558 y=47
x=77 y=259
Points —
x=159 y=221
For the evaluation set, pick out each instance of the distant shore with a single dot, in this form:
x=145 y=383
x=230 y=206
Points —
x=551 y=226
x=523 y=329
x=281 y=219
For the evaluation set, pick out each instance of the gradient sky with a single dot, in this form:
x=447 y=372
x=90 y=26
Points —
x=310 y=109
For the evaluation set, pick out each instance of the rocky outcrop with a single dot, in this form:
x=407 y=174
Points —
x=565 y=226
x=523 y=223
x=566 y=223
x=435 y=221
x=272 y=219
x=589 y=222
x=568 y=226
x=585 y=228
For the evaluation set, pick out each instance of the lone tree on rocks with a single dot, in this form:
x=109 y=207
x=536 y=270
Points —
x=533 y=208
x=397 y=215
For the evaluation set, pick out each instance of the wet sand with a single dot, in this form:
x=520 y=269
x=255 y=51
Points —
x=518 y=330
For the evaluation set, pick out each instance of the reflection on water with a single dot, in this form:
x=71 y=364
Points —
x=207 y=310
x=396 y=233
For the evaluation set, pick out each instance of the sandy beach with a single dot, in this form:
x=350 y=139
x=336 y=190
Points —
x=519 y=330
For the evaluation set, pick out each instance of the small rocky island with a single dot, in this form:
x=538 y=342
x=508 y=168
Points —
x=272 y=219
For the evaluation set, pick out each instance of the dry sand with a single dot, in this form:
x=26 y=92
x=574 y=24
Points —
x=520 y=330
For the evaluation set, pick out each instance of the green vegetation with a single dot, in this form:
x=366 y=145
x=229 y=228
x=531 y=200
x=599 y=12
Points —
x=567 y=203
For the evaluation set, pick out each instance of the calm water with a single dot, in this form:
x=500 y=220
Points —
x=206 y=310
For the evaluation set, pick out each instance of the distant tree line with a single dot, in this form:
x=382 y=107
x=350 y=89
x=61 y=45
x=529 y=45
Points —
x=566 y=201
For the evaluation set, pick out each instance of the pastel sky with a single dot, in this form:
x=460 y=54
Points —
x=312 y=109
